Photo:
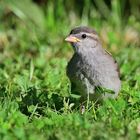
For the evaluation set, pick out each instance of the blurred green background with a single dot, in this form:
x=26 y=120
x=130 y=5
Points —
x=35 y=97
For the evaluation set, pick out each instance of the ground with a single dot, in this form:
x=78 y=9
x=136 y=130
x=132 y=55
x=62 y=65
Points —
x=35 y=96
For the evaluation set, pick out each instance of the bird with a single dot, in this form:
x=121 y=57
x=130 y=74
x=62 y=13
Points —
x=92 y=71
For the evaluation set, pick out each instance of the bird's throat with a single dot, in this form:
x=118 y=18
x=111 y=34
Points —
x=75 y=47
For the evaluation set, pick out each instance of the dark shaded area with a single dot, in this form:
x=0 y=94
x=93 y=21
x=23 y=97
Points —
x=42 y=100
x=128 y=7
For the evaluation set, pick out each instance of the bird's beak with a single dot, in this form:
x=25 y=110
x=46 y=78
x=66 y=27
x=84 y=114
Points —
x=72 y=39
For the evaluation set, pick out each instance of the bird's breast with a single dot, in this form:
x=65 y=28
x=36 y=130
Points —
x=74 y=66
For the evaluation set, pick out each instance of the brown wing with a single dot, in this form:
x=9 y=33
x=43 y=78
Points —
x=117 y=66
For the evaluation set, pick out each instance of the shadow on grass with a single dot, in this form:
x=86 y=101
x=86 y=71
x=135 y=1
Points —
x=43 y=100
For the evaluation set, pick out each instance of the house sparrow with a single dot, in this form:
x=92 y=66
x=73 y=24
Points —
x=92 y=70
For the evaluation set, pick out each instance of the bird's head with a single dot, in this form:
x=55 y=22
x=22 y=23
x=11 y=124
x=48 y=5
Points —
x=82 y=38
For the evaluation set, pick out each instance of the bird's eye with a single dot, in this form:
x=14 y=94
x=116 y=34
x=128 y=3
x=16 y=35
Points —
x=84 y=36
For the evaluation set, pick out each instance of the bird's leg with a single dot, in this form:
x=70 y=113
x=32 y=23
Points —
x=87 y=99
x=87 y=88
x=82 y=105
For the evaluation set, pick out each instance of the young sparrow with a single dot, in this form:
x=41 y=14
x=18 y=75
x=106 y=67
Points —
x=92 y=70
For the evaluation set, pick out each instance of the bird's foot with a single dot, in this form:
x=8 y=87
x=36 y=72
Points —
x=82 y=109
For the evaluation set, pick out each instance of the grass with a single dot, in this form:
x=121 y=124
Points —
x=35 y=96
